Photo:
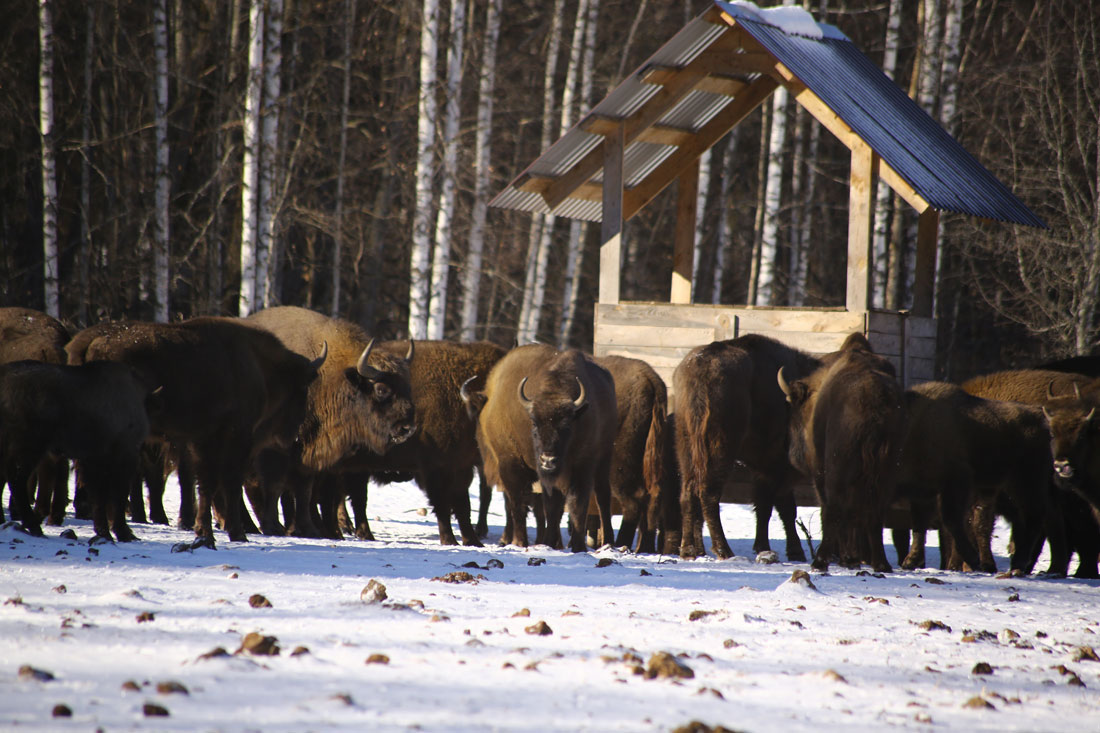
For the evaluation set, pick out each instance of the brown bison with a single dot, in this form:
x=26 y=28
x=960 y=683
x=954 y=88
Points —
x=847 y=426
x=94 y=414
x=361 y=399
x=729 y=410
x=229 y=390
x=636 y=462
x=962 y=450
x=1069 y=404
x=550 y=417
x=442 y=455
x=27 y=334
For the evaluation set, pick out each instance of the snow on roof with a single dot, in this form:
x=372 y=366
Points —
x=787 y=18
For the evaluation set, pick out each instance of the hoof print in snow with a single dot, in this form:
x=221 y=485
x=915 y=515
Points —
x=62 y=711
x=494 y=564
x=171 y=687
x=536 y=561
x=931 y=625
x=1085 y=654
x=539 y=629
x=663 y=664
x=373 y=592
x=767 y=557
x=377 y=659
x=258 y=601
x=259 y=645
x=27 y=672
x=152 y=710
x=605 y=562
x=67 y=534
x=215 y=653
x=979 y=703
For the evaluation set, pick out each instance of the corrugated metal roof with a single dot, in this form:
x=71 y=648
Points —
x=874 y=107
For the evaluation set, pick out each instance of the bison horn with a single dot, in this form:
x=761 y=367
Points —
x=316 y=363
x=362 y=367
x=464 y=390
x=783 y=382
x=409 y=354
x=1091 y=413
x=523 y=397
x=579 y=402
x=1050 y=390
x=1076 y=390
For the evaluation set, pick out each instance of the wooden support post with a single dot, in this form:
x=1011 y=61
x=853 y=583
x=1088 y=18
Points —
x=924 y=275
x=861 y=214
x=612 y=227
x=683 y=249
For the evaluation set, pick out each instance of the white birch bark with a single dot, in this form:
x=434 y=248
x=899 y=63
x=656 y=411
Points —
x=758 y=219
x=51 y=273
x=927 y=91
x=700 y=220
x=725 y=224
x=542 y=227
x=250 y=182
x=441 y=263
x=420 y=264
x=345 y=99
x=160 y=169
x=267 y=261
x=880 y=263
x=482 y=155
x=578 y=230
x=772 y=197
x=799 y=179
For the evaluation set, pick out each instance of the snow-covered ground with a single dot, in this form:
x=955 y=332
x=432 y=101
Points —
x=119 y=627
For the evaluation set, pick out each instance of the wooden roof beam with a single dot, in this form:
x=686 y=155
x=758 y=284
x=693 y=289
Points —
x=640 y=195
x=671 y=92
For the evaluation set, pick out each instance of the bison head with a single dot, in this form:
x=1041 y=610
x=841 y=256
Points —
x=385 y=390
x=553 y=414
x=1075 y=443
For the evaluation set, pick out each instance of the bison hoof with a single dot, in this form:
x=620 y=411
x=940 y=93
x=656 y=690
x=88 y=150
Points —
x=366 y=536
x=206 y=541
x=125 y=536
x=796 y=555
x=472 y=542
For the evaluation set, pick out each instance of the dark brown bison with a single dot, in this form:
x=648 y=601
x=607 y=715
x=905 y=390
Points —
x=962 y=450
x=27 y=334
x=1069 y=404
x=229 y=390
x=847 y=426
x=550 y=417
x=636 y=462
x=361 y=400
x=94 y=414
x=729 y=409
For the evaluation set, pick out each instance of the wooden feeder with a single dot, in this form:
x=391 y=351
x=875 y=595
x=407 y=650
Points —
x=652 y=128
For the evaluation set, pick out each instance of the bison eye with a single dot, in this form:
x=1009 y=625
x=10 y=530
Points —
x=382 y=391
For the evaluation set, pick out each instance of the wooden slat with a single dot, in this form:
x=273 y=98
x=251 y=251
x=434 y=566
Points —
x=729 y=86
x=640 y=335
x=612 y=225
x=749 y=319
x=658 y=134
x=683 y=246
x=861 y=214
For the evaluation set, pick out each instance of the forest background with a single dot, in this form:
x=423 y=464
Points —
x=167 y=159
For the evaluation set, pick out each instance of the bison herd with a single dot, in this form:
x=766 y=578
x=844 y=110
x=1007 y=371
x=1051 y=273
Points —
x=298 y=412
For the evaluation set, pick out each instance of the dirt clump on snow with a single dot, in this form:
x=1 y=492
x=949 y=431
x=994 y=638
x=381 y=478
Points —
x=259 y=645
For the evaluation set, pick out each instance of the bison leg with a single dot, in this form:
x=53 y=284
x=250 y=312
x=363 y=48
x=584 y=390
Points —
x=53 y=478
x=517 y=507
x=154 y=468
x=343 y=518
x=302 y=524
x=185 y=473
x=19 y=505
x=628 y=526
x=953 y=510
x=690 y=546
x=136 y=499
x=485 y=497
x=1056 y=535
x=554 y=502
x=981 y=528
x=718 y=541
x=459 y=491
x=603 y=506
x=355 y=485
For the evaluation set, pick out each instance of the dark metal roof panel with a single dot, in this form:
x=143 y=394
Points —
x=897 y=128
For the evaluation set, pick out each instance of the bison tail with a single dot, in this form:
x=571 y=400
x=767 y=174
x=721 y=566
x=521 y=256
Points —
x=695 y=423
x=653 y=462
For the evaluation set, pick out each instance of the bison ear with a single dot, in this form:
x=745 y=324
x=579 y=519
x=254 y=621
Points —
x=798 y=393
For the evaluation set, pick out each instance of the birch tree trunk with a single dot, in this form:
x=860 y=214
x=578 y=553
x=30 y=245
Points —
x=773 y=185
x=345 y=99
x=542 y=227
x=725 y=225
x=441 y=263
x=251 y=241
x=927 y=91
x=420 y=264
x=758 y=220
x=160 y=170
x=267 y=218
x=700 y=221
x=881 y=260
x=49 y=161
x=578 y=230
x=85 y=254
x=483 y=158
